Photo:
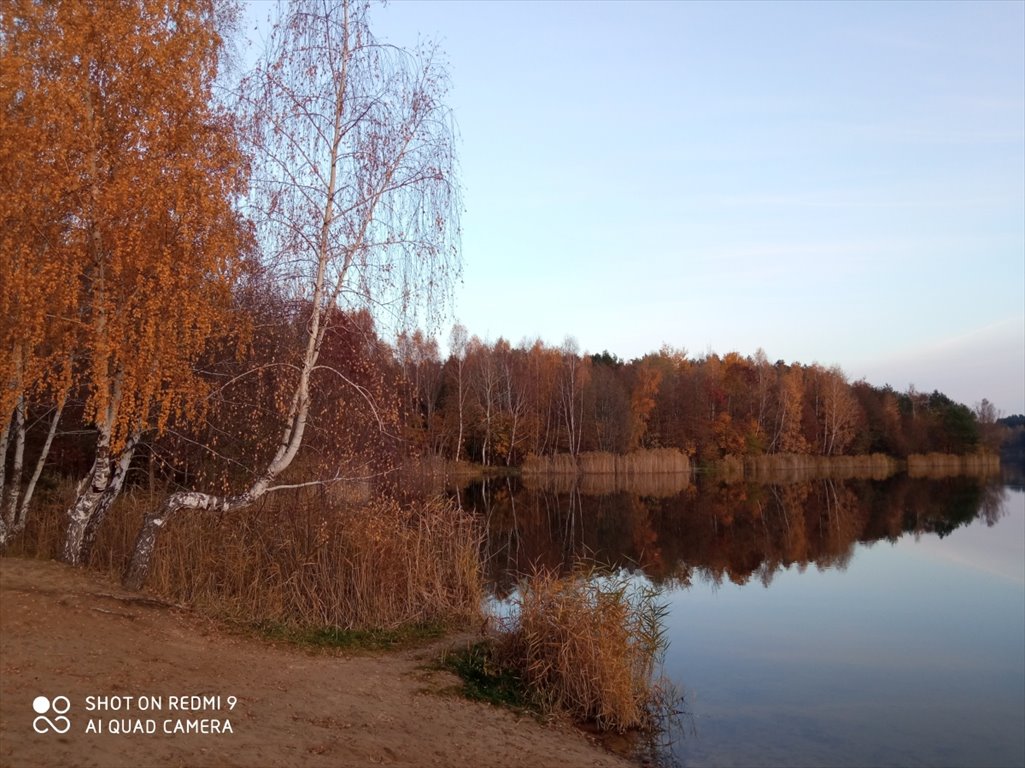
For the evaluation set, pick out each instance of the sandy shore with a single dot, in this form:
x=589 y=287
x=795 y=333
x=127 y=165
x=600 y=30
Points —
x=73 y=637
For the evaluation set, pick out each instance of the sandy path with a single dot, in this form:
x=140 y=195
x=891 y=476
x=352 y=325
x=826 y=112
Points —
x=65 y=632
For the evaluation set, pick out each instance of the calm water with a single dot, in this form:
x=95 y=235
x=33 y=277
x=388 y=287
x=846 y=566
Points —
x=825 y=623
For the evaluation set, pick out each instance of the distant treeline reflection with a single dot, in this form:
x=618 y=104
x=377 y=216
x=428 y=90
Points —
x=716 y=530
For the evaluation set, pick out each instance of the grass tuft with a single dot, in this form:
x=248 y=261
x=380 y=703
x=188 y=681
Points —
x=589 y=644
x=487 y=677
x=354 y=640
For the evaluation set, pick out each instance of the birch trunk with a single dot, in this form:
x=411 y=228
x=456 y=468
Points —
x=30 y=489
x=338 y=206
x=96 y=483
x=94 y=486
x=107 y=498
x=9 y=513
x=4 y=433
x=14 y=525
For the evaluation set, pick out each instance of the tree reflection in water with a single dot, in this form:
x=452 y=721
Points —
x=675 y=529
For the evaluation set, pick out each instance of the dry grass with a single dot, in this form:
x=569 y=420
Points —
x=939 y=465
x=296 y=561
x=589 y=645
x=301 y=559
x=636 y=463
x=788 y=467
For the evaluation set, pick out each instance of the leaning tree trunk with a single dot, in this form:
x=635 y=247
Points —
x=146 y=541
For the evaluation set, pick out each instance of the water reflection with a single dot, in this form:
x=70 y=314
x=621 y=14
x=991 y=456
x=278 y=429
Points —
x=908 y=653
x=676 y=530
x=911 y=656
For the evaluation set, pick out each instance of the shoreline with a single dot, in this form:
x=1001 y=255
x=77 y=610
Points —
x=71 y=633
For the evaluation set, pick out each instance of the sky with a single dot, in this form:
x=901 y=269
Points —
x=841 y=183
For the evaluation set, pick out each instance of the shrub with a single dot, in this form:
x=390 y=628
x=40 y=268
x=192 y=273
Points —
x=589 y=644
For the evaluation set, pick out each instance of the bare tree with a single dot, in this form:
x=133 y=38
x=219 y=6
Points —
x=574 y=378
x=458 y=345
x=354 y=196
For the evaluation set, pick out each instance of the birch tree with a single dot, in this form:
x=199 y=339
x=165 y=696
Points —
x=575 y=373
x=122 y=241
x=37 y=301
x=353 y=189
x=512 y=379
x=837 y=410
x=458 y=346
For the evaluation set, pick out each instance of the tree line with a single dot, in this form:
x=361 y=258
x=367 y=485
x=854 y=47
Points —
x=496 y=404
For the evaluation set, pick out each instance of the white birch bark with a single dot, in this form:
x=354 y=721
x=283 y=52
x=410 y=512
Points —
x=18 y=518
x=11 y=509
x=96 y=483
x=324 y=103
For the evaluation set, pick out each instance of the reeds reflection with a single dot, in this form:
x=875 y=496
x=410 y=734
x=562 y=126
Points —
x=713 y=529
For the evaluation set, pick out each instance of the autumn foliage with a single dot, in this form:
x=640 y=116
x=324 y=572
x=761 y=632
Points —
x=515 y=405
x=121 y=241
x=218 y=295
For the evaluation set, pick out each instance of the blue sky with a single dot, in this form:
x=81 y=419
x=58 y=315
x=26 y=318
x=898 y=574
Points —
x=833 y=182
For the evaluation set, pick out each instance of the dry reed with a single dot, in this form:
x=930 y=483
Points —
x=659 y=486
x=789 y=467
x=300 y=562
x=939 y=465
x=589 y=645
x=300 y=558
x=644 y=462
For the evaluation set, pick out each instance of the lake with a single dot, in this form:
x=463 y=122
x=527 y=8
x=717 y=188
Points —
x=811 y=622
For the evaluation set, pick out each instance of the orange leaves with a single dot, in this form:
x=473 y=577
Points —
x=647 y=381
x=126 y=197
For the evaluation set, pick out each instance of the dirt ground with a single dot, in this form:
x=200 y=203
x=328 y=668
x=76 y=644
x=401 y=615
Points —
x=72 y=634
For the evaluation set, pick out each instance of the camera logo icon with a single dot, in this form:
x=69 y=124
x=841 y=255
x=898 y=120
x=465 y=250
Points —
x=59 y=706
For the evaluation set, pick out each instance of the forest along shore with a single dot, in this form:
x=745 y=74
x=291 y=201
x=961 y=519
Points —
x=72 y=633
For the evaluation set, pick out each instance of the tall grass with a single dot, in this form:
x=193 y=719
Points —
x=589 y=645
x=301 y=561
x=653 y=461
x=301 y=558
x=938 y=465
x=789 y=467
x=662 y=486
